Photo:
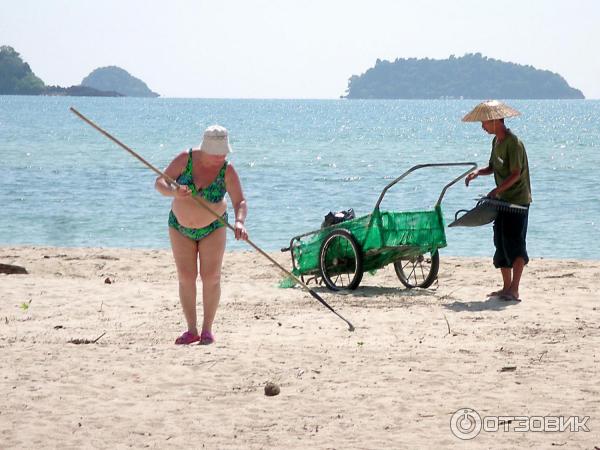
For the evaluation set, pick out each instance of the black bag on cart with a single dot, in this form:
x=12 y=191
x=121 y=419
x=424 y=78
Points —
x=333 y=218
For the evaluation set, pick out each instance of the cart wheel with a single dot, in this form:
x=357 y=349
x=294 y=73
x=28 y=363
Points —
x=341 y=261
x=420 y=271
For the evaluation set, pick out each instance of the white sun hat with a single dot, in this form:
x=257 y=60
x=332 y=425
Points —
x=216 y=141
x=490 y=110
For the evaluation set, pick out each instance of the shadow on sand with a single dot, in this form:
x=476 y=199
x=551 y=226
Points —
x=379 y=296
x=490 y=304
x=377 y=291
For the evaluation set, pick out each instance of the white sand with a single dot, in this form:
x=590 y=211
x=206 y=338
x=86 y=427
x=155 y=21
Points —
x=393 y=383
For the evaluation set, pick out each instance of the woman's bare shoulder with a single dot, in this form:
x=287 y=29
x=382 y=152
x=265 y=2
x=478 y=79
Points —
x=230 y=172
x=230 y=168
x=178 y=163
x=181 y=157
x=183 y=154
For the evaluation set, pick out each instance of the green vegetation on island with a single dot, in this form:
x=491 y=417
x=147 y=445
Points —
x=471 y=76
x=115 y=79
x=17 y=78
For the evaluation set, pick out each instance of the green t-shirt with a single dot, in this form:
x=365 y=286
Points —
x=505 y=158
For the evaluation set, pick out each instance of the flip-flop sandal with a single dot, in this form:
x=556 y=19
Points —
x=187 y=338
x=509 y=298
x=206 y=338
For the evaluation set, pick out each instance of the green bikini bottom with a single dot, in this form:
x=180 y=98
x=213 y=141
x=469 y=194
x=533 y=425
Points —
x=196 y=234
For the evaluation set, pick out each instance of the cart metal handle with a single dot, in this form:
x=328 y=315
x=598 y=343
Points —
x=464 y=211
x=472 y=167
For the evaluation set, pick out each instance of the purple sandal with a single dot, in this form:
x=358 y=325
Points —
x=187 y=338
x=206 y=338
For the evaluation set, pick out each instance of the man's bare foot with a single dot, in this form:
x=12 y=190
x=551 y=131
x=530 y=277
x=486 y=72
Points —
x=498 y=293
x=510 y=297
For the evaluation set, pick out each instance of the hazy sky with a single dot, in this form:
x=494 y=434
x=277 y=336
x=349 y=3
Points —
x=293 y=48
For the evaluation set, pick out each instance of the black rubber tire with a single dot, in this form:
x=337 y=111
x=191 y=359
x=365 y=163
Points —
x=345 y=274
x=420 y=272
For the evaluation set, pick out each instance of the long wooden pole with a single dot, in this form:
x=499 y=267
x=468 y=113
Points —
x=217 y=216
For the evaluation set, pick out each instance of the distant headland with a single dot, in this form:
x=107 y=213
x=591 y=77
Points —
x=17 y=78
x=471 y=76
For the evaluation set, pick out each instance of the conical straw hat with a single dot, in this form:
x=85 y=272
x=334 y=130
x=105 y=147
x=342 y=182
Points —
x=490 y=110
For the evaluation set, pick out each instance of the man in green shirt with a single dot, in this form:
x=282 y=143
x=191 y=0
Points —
x=508 y=162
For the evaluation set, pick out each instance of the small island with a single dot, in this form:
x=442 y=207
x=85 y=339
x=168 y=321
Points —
x=113 y=78
x=17 y=78
x=471 y=76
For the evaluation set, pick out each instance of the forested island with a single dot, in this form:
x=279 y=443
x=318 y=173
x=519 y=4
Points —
x=471 y=76
x=17 y=78
x=113 y=78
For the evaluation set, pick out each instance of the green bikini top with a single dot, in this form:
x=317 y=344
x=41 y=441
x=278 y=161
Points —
x=214 y=192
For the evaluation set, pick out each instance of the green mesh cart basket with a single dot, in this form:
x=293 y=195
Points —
x=339 y=254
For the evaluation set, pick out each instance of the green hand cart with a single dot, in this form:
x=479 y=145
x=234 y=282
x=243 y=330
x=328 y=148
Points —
x=339 y=254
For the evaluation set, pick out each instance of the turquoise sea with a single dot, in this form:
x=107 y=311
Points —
x=64 y=184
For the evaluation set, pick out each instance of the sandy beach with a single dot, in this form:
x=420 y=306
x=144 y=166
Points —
x=416 y=357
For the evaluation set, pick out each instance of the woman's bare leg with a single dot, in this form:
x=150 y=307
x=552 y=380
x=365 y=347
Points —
x=211 y=250
x=185 y=253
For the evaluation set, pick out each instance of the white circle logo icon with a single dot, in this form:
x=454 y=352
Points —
x=465 y=423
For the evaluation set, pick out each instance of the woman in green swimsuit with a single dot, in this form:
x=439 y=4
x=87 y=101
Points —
x=196 y=236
